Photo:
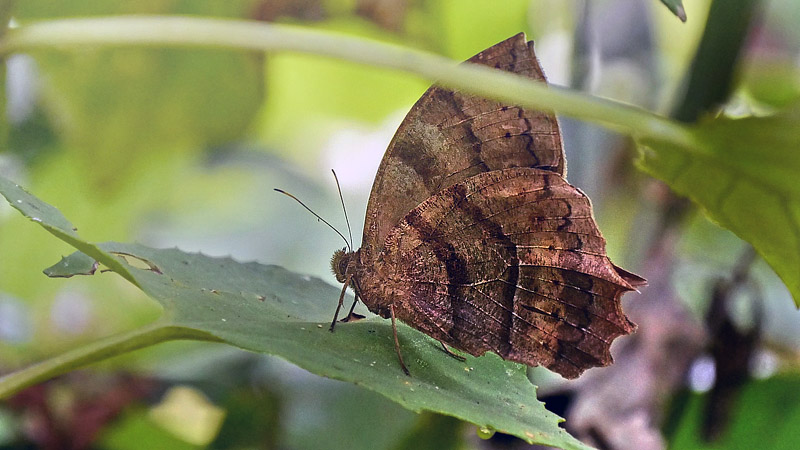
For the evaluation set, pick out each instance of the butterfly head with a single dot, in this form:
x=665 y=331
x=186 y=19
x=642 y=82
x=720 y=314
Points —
x=340 y=262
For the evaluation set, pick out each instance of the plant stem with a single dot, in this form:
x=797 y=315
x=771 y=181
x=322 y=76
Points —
x=710 y=79
x=96 y=351
x=160 y=31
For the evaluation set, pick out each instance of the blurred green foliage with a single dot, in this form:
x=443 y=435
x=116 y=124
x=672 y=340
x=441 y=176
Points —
x=764 y=416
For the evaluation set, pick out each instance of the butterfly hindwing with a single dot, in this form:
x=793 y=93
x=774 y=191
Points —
x=508 y=261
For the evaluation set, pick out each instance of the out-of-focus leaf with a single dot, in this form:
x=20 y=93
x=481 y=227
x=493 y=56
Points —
x=345 y=417
x=676 y=6
x=271 y=310
x=119 y=107
x=434 y=432
x=777 y=85
x=135 y=430
x=744 y=173
x=188 y=414
x=764 y=416
x=252 y=418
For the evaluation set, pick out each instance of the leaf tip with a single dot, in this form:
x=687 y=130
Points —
x=681 y=13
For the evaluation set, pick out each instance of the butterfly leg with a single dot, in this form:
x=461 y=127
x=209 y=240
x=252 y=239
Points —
x=352 y=316
x=397 y=341
x=341 y=301
x=450 y=352
x=353 y=306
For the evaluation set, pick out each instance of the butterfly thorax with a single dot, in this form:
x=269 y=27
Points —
x=366 y=277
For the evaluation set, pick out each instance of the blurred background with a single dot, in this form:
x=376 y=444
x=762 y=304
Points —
x=176 y=147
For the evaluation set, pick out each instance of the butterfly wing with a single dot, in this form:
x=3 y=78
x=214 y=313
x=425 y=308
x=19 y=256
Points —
x=449 y=136
x=511 y=262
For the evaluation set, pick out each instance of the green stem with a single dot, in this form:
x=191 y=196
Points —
x=711 y=76
x=96 y=351
x=247 y=35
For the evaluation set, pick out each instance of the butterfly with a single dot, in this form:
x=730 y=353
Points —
x=474 y=237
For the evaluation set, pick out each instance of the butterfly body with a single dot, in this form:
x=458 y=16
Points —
x=474 y=237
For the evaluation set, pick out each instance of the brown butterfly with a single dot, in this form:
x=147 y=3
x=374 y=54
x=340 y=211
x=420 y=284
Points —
x=474 y=237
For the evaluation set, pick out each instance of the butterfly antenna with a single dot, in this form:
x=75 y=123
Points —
x=349 y=248
x=338 y=187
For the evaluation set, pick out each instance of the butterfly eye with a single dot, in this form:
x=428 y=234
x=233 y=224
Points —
x=339 y=262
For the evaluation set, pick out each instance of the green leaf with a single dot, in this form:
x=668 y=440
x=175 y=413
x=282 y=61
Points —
x=75 y=264
x=744 y=173
x=676 y=6
x=270 y=310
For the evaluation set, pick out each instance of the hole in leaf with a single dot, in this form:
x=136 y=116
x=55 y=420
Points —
x=138 y=262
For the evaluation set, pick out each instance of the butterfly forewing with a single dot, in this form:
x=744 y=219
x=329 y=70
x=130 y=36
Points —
x=449 y=136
